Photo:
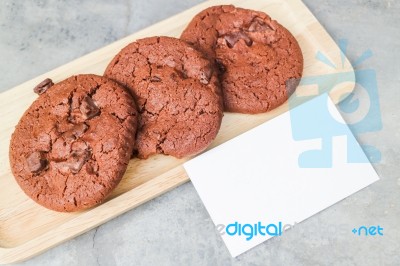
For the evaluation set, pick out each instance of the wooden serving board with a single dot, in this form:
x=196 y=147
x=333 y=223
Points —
x=27 y=229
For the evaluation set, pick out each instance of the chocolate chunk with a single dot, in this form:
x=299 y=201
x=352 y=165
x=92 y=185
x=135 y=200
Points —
x=43 y=86
x=88 y=108
x=291 y=85
x=76 y=131
x=232 y=38
x=259 y=26
x=61 y=149
x=79 y=154
x=205 y=76
x=43 y=142
x=182 y=73
x=77 y=160
x=79 y=129
x=155 y=79
x=36 y=162
x=79 y=145
x=92 y=168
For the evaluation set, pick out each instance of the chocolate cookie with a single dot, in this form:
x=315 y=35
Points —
x=72 y=146
x=177 y=93
x=260 y=62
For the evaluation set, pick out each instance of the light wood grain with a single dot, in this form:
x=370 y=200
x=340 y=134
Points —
x=27 y=229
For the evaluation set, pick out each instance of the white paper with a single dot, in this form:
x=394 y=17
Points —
x=256 y=177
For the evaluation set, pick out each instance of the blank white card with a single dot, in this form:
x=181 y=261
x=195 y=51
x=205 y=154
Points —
x=256 y=178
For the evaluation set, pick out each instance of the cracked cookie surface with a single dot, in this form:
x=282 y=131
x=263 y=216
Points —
x=177 y=93
x=260 y=62
x=72 y=146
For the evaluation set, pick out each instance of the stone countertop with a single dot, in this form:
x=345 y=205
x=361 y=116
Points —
x=175 y=229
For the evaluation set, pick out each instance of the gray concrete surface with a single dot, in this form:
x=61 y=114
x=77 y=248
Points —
x=175 y=229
